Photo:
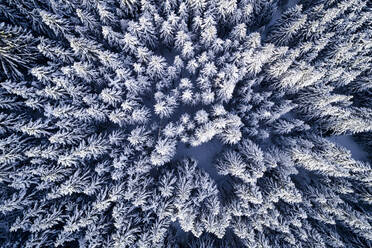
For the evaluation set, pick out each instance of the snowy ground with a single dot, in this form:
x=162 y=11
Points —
x=204 y=154
x=347 y=141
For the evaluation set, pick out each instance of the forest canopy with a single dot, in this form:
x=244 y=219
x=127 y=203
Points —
x=185 y=123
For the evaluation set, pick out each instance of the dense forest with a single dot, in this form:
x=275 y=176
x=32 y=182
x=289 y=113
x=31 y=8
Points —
x=185 y=123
